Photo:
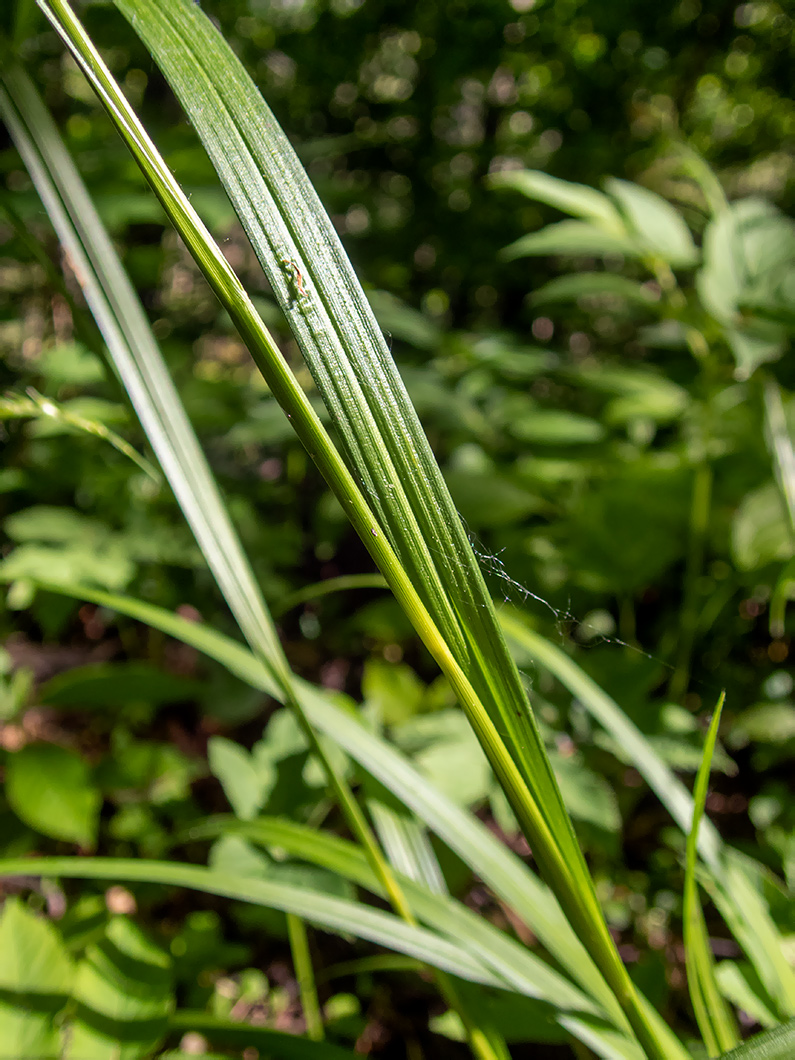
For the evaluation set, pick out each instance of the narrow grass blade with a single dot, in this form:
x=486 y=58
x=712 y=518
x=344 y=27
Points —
x=305 y=975
x=745 y=911
x=499 y=868
x=775 y=1044
x=327 y=912
x=661 y=779
x=345 y=350
x=525 y=972
x=713 y=1015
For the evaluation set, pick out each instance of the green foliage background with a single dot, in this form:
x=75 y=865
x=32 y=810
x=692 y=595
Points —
x=571 y=434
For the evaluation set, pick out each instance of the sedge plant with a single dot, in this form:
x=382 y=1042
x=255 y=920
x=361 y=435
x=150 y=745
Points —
x=387 y=481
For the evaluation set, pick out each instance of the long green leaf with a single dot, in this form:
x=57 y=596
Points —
x=776 y=1044
x=525 y=972
x=661 y=779
x=714 y=1018
x=480 y=669
x=328 y=912
x=345 y=350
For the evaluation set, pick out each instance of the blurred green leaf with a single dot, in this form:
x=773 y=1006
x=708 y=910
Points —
x=247 y=781
x=36 y=977
x=51 y=790
x=571 y=239
x=658 y=226
x=123 y=992
x=556 y=427
x=592 y=285
x=761 y=532
x=577 y=199
x=116 y=684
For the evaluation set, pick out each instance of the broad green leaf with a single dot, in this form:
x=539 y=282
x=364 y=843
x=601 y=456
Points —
x=123 y=992
x=572 y=239
x=601 y=287
x=764 y=723
x=557 y=427
x=577 y=199
x=748 y=246
x=393 y=690
x=657 y=225
x=35 y=982
x=403 y=322
x=444 y=748
x=761 y=533
x=51 y=790
x=115 y=685
x=60 y=543
x=490 y=500
x=247 y=781
x=588 y=796
x=714 y=1018
x=776 y=1044
x=71 y=363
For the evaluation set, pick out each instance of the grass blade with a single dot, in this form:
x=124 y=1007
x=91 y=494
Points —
x=305 y=976
x=661 y=779
x=480 y=670
x=136 y=357
x=713 y=1015
x=499 y=868
x=345 y=350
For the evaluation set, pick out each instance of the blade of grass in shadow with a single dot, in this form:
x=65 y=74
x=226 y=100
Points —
x=521 y=765
x=136 y=357
x=276 y=1044
x=714 y=1018
x=345 y=350
x=305 y=977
